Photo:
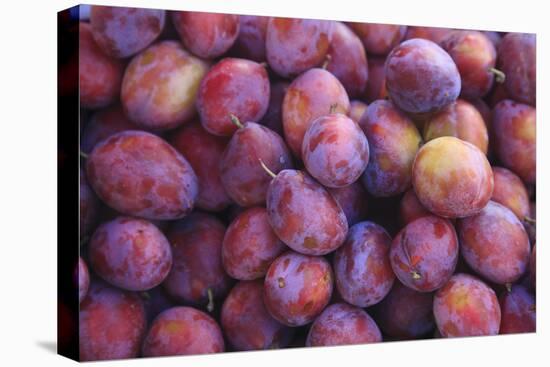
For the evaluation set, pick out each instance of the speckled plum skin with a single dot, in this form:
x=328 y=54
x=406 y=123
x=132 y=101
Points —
x=246 y=322
x=183 y=331
x=410 y=65
x=353 y=200
x=517 y=59
x=123 y=32
x=452 y=178
x=376 y=85
x=379 y=39
x=82 y=279
x=297 y=288
x=250 y=245
x=335 y=150
x=356 y=110
x=410 y=208
x=273 y=118
x=207 y=35
x=236 y=87
x=139 y=174
x=466 y=306
x=424 y=253
x=434 y=34
x=405 y=313
x=313 y=94
x=203 y=151
x=461 y=120
x=348 y=60
x=518 y=309
x=342 y=324
x=111 y=322
x=89 y=206
x=250 y=43
x=511 y=192
x=495 y=244
x=102 y=124
x=242 y=175
x=100 y=75
x=131 y=254
x=393 y=143
x=295 y=45
x=474 y=54
x=514 y=134
x=304 y=215
x=197 y=266
x=362 y=269
x=160 y=86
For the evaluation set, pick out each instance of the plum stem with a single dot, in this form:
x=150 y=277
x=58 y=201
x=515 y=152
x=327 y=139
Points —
x=508 y=287
x=235 y=120
x=269 y=172
x=530 y=220
x=500 y=77
x=328 y=59
x=83 y=155
x=333 y=108
x=210 y=306
x=264 y=64
x=415 y=275
x=146 y=296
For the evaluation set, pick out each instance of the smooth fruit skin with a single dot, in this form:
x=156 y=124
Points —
x=313 y=94
x=356 y=110
x=241 y=172
x=452 y=178
x=342 y=324
x=517 y=59
x=466 y=306
x=362 y=268
x=515 y=137
x=519 y=313
x=410 y=208
x=250 y=43
x=353 y=200
x=131 y=254
x=304 y=215
x=160 y=86
x=424 y=254
x=393 y=143
x=434 y=34
x=139 y=174
x=379 y=39
x=273 y=118
x=183 y=331
x=409 y=65
x=335 y=150
x=89 y=206
x=461 y=120
x=285 y=36
x=123 y=32
x=511 y=192
x=246 y=322
x=112 y=324
x=474 y=56
x=250 y=245
x=83 y=279
x=297 y=288
x=376 y=85
x=235 y=87
x=207 y=35
x=494 y=243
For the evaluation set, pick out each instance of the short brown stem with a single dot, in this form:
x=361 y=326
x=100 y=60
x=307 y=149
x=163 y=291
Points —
x=508 y=287
x=327 y=61
x=269 y=172
x=235 y=120
x=83 y=155
x=210 y=306
x=415 y=275
x=530 y=220
x=500 y=77
x=333 y=108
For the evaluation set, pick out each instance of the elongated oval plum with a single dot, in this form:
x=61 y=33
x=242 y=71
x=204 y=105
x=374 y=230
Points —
x=297 y=288
x=452 y=178
x=139 y=174
x=461 y=120
x=183 y=331
x=466 y=306
x=362 y=269
x=521 y=71
x=131 y=254
x=335 y=150
x=410 y=65
x=515 y=137
x=250 y=245
x=313 y=94
x=122 y=32
x=424 y=254
x=494 y=244
x=242 y=175
x=246 y=322
x=511 y=192
x=111 y=323
x=304 y=215
x=235 y=87
x=160 y=86
x=207 y=35
x=294 y=45
x=353 y=200
x=393 y=143
x=518 y=309
x=410 y=208
x=379 y=39
x=250 y=43
x=342 y=324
